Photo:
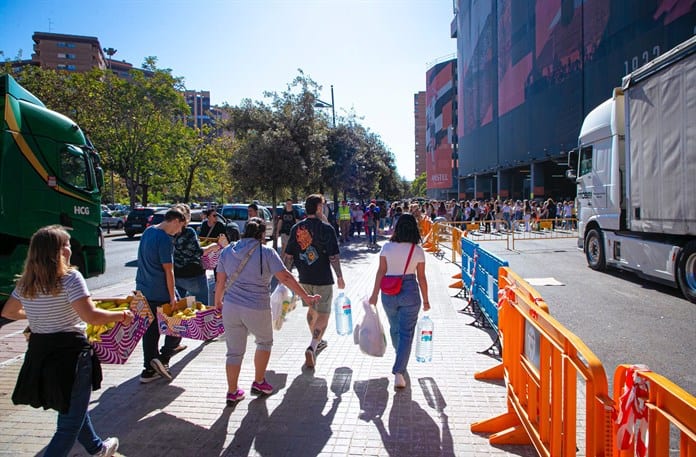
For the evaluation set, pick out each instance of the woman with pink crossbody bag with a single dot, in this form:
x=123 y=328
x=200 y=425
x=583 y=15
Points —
x=402 y=257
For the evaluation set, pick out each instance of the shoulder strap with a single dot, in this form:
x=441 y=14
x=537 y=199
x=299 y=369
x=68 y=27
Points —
x=409 y=258
x=233 y=277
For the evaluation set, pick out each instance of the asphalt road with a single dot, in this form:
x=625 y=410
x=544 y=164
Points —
x=620 y=317
x=121 y=260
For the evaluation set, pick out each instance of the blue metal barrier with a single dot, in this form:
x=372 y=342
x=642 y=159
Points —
x=486 y=285
x=480 y=278
x=469 y=249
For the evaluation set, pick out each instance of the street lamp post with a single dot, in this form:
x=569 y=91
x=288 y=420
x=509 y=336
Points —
x=322 y=104
x=110 y=52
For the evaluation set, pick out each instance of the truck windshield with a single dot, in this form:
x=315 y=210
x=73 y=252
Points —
x=76 y=170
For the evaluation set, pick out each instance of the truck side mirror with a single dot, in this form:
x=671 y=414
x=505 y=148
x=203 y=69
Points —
x=570 y=174
x=99 y=175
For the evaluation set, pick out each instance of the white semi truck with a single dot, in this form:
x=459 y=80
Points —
x=636 y=174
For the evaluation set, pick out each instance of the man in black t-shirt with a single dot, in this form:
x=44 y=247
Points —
x=286 y=220
x=313 y=248
x=211 y=226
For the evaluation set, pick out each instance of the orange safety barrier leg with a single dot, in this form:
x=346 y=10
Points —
x=512 y=435
x=457 y=276
x=496 y=424
x=495 y=372
x=457 y=285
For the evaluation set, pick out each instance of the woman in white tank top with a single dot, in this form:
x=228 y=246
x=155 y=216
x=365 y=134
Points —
x=402 y=309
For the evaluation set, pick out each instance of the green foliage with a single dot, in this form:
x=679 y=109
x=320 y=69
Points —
x=283 y=147
x=418 y=186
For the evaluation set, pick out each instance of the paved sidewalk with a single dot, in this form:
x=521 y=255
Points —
x=346 y=406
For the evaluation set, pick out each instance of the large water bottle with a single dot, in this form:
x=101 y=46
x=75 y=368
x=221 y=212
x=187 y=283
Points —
x=424 y=344
x=344 y=317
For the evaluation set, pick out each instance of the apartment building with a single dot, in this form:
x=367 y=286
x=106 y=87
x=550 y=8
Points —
x=420 y=125
x=67 y=52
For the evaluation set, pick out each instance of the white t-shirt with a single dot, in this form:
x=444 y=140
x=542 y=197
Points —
x=54 y=313
x=397 y=253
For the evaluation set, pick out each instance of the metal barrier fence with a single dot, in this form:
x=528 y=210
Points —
x=542 y=362
x=545 y=366
x=480 y=277
x=443 y=233
x=545 y=229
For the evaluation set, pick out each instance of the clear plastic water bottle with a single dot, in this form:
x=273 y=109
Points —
x=344 y=317
x=424 y=344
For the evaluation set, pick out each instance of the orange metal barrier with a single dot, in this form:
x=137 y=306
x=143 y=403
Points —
x=494 y=230
x=663 y=404
x=456 y=243
x=528 y=293
x=542 y=362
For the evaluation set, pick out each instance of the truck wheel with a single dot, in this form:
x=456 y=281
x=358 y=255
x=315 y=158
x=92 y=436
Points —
x=130 y=234
x=686 y=271
x=594 y=250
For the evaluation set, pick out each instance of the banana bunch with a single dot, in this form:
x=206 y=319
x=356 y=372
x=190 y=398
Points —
x=182 y=310
x=94 y=332
x=207 y=241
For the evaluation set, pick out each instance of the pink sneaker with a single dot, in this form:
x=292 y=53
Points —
x=233 y=398
x=261 y=388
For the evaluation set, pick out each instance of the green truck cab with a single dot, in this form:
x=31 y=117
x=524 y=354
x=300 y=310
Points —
x=49 y=174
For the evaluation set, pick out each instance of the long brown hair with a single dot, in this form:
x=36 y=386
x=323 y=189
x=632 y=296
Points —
x=45 y=264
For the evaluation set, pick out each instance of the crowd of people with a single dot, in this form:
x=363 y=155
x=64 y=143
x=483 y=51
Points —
x=351 y=220
x=53 y=296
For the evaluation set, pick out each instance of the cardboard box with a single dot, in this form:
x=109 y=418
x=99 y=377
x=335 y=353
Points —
x=117 y=344
x=204 y=325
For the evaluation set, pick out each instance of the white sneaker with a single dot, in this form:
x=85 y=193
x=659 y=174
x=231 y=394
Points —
x=399 y=381
x=109 y=447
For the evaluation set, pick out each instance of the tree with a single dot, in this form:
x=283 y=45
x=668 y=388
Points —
x=203 y=153
x=418 y=186
x=141 y=131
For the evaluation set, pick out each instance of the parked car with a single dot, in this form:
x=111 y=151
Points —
x=238 y=213
x=110 y=220
x=138 y=219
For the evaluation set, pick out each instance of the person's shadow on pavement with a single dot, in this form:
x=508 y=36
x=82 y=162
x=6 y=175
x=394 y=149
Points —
x=119 y=408
x=436 y=400
x=297 y=426
x=411 y=431
x=256 y=418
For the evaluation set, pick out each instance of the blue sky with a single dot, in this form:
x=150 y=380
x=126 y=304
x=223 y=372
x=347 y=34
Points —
x=375 y=53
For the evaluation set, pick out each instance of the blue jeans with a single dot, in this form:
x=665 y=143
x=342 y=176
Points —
x=76 y=424
x=372 y=233
x=196 y=286
x=211 y=289
x=151 y=340
x=402 y=312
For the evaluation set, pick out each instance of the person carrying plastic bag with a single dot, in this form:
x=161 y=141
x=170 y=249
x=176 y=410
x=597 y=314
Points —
x=402 y=256
x=282 y=302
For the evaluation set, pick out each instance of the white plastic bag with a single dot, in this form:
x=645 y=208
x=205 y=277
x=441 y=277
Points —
x=281 y=304
x=369 y=334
